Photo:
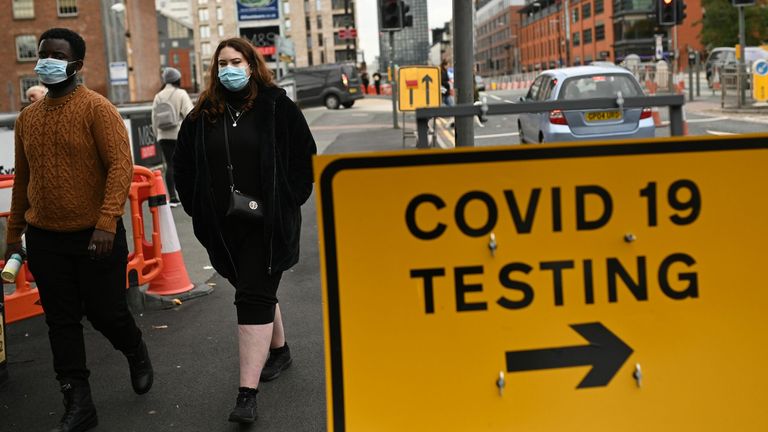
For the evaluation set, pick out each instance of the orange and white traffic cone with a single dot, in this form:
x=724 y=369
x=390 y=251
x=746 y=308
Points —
x=173 y=281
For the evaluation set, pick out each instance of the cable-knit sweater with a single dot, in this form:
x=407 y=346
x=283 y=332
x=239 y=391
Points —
x=73 y=165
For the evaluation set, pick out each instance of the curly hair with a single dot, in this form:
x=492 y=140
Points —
x=76 y=41
x=211 y=102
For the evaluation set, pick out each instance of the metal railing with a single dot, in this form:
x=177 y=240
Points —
x=7 y=120
x=674 y=102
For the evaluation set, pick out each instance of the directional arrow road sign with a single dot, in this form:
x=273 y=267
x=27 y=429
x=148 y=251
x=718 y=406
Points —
x=418 y=80
x=605 y=353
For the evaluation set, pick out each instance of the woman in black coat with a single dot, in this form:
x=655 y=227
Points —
x=244 y=118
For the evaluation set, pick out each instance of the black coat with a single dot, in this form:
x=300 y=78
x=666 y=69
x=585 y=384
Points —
x=286 y=147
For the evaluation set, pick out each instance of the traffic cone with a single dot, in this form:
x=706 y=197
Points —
x=173 y=281
x=656 y=117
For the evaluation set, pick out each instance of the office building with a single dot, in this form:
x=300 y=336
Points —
x=411 y=43
x=497 y=45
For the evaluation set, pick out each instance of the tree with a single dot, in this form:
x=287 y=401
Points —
x=720 y=24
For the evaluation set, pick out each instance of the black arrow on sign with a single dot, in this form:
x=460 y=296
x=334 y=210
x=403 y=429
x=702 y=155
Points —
x=606 y=353
x=427 y=80
x=411 y=94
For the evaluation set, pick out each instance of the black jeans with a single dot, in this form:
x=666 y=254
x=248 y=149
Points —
x=169 y=146
x=71 y=285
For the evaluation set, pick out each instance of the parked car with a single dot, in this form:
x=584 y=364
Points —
x=332 y=85
x=584 y=82
x=479 y=83
x=723 y=56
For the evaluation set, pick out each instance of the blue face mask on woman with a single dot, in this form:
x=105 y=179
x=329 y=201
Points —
x=52 y=71
x=233 y=78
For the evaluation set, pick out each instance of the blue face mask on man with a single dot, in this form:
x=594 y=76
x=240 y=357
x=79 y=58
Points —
x=52 y=71
x=233 y=78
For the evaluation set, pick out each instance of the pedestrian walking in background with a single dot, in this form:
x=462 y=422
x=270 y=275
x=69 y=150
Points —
x=377 y=82
x=249 y=145
x=73 y=172
x=366 y=81
x=35 y=93
x=445 y=84
x=169 y=108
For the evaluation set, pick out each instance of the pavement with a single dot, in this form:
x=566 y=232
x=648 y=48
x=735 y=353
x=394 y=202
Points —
x=193 y=346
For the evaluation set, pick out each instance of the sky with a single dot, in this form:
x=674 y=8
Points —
x=440 y=11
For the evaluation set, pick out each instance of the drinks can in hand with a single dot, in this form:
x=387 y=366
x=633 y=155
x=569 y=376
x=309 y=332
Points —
x=11 y=268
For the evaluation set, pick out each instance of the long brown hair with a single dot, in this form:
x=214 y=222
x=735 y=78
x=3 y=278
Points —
x=211 y=101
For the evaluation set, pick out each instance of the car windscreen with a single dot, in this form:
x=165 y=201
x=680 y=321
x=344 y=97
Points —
x=350 y=71
x=599 y=86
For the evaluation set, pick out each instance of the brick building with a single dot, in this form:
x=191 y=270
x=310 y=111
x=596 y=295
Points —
x=26 y=20
x=599 y=30
x=497 y=26
x=177 y=48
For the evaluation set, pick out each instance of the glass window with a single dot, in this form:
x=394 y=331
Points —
x=309 y=58
x=600 y=32
x=576 y=39
x=23 y=9
x=319 y=22
x=202 y=2
x=219 y=14
x=599 y=86
x=533 y=92
x=221 y=30
x=318 y=4
x=202 y=15
x=586 y=10
x=575 y=14
x=205 y=32
x=599 y=7
x=319 y=39
x=205 y=49
x=588 y=36
x=288 y=25
x=67 y=7
x=176 y=30
x=286 y=8
x=24 y=84
x=26 y=48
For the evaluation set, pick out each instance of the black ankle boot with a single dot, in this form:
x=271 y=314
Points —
x=79 y=411
x=140 y=366
x=245 y=407
x=279 y=360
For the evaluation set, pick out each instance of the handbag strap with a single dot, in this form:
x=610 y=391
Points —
x=230 y=168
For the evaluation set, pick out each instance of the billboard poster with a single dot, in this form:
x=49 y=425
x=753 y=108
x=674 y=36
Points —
x=264 y=39
x=255 y=10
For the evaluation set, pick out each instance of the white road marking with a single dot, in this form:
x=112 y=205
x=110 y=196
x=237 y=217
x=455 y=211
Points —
x=494 y=96
x=718 y=133
x=497 y=135
x=508 y=101
x=707 y=119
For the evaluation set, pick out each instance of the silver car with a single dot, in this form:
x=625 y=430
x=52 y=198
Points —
x=585 y=82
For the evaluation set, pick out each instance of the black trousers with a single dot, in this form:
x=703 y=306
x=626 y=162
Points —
x=168 y=147
x=255 y=289
x=71 y=285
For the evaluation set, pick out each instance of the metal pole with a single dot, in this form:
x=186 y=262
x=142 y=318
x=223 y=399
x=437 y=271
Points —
x=463 y=64
x=566 y=14
x=690 y=81
x=742 y=70
x=346 y=24
x=676 y=120
x=698 y=71
x=393 y=80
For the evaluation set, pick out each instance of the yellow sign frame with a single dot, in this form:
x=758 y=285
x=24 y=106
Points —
x=418 y=87
x=400 y=355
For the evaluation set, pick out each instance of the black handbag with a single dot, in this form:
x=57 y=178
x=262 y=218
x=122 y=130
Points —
x=240 y=205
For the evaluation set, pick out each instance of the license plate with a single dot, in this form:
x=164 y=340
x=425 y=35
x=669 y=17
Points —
x=353 y=90
x=597 y=116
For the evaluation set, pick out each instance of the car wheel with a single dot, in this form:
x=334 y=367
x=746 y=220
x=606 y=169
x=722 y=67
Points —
x=520 y=133
x=332 y=102
x=348 y=104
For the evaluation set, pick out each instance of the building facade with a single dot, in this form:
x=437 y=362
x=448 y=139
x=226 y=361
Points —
x=497 y=48
x=320 y=31
x=131 y=27
x=178 y=9
x=177 y=48
x=411 y=43
x=212 y=22
x=442 y=45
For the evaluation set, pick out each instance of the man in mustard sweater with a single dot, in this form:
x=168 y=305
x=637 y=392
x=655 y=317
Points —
x=73 y=172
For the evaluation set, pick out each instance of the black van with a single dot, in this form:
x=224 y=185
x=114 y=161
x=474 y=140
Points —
x=332 y=85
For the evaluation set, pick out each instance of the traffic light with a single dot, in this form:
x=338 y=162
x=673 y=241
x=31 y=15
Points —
x=407 y=19
x=390 y=15
x=680 y=11
x=665 y=12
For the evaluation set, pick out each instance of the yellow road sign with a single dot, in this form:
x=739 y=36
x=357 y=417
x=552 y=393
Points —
x=760 y=80
x=419 y=87
x=553 y=287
